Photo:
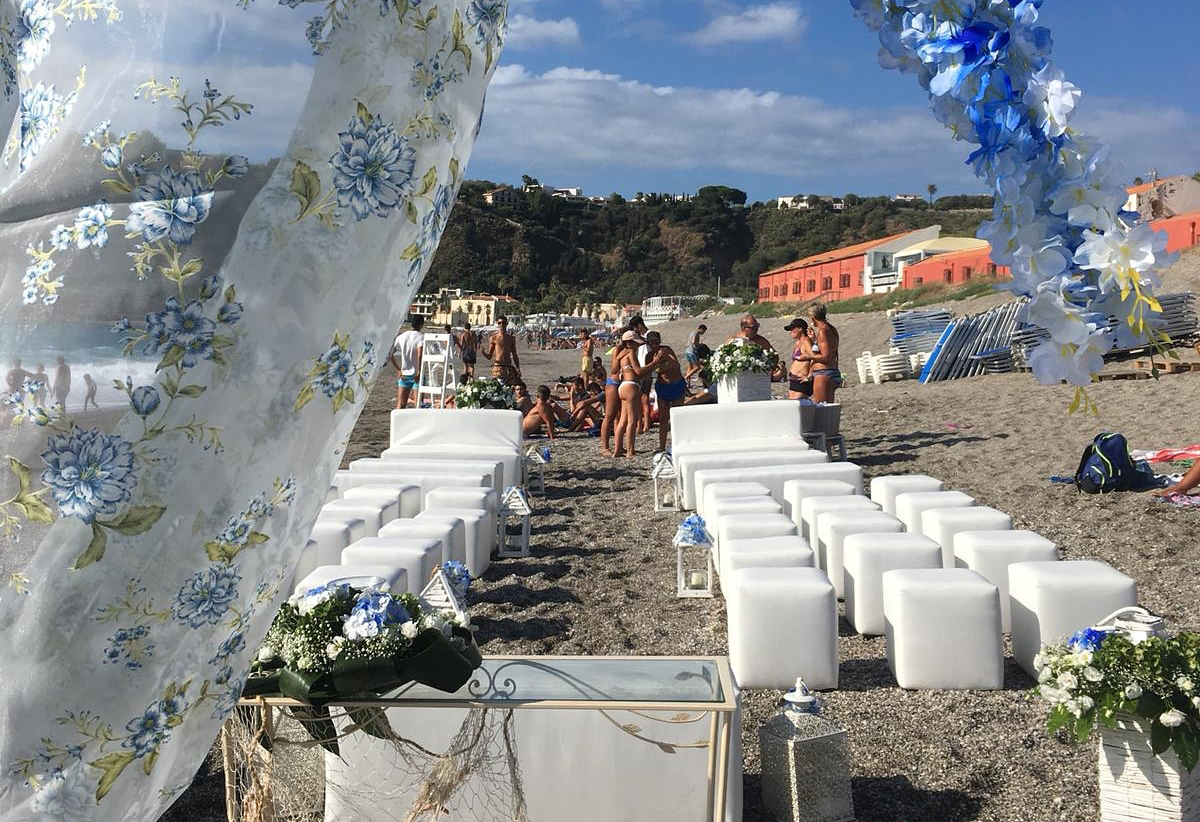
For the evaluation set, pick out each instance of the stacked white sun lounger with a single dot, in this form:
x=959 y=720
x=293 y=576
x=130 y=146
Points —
x=433 y=495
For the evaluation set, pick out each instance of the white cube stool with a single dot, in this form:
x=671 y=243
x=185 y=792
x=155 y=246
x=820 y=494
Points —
x=811 y=509
x=867 y=557
x=456 y=497
x=408 y=495
x=789 y=551
x=833 y=528
x=797 y=489
x=480 y=541
x=884 y=490
x=332 y=494
x=941 y=524
x=740 y=505
x=419 y=557
x=782 y=624
x=393 y=576
x=748 y=526
x=306 y=563
x=911 y=504
x=943 y=629
x=721 y=490
x=450 y=531
x=1052 y=600
x=332 y=534
x=989 y=553
x=375 y=513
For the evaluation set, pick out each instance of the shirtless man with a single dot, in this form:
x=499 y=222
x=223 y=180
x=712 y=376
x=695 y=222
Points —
x=502 y=351
x=824 y=357
x=585 y=353
x=670 y=387
x=799 y=379
x=749 y=333
x=691 y=353
x=467 y=344
x=542 y=414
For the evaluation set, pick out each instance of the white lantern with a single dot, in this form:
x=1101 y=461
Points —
x=536 y=460
x=663 y=474
x=513 y=517
x=693 y=559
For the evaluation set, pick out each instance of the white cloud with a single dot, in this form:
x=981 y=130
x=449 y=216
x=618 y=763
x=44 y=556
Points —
x=528 y=32
x=772 y=21
x=569 y=121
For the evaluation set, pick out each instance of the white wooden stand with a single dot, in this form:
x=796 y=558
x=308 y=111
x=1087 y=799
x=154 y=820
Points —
x=666 y=492
x=438 y=378
x=514 y=519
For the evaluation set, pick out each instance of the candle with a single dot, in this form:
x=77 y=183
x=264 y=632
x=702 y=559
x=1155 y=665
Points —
x=696 y=579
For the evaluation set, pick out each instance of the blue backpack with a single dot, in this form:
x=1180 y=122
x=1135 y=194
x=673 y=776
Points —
x=1106 y=466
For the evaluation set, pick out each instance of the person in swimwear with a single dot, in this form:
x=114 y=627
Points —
x=584 y=405
x=824 y=357
x=671 y=386
x=543 y=414
x=587 y=345
x=799 y=379
x=630 y=392
x=502 y=351
x=612 y=401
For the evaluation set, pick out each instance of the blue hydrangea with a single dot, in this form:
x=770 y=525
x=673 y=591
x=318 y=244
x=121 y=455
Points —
x=207 y=596
x=169 y=205
x=373 y=613
x=374 y=168
x=89 y=473
x=1088 y=639
x=458 y=576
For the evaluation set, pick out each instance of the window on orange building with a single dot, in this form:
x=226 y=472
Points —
x=812 y=286
x=991 y=269
x=826 y=283
x=966 y=273
x=948 y=275
x=844 y=281
x=918 y=280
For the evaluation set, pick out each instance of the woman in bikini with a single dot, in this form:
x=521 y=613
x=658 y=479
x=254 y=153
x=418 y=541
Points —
x=630 y=392
x=799 y=380
x=612 y=401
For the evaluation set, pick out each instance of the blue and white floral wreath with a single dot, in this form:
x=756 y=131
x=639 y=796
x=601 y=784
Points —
x=1058 y=220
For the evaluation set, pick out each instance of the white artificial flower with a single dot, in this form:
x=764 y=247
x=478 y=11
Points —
x=1133 y=691
x=1052 y=695
x=1172 y=718
x=266 y=653
x=1092 y=675
x=1086 y=703
x=1067 y=681
x=1196 y=702
x=1045 y=674
x=332 y=650
x=1185 y=684
x=1039 y=661
x=409 y=630
x=1053 y=97
x=1072 y=705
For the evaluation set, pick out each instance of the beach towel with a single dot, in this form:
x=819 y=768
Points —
x=1191 y=452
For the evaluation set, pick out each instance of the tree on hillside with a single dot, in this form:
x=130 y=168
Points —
x=721 y=195
x=528 y=182
x=1137 y=181
x=932 y=189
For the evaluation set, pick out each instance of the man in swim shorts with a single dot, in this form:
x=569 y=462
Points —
x=467 y=344
x=670 y=387
x=405 y=357
x=502 y=351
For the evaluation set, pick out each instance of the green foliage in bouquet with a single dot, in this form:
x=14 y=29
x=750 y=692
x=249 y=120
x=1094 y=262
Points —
x=485 y=392
x=1101 y=677
x=733 y=358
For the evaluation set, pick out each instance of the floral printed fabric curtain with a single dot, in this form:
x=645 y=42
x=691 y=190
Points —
x=213 y=215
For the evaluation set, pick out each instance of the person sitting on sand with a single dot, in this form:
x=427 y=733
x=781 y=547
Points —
x=707 y=394
x=522 y=401
x=799 y=379
x=692 y=353
x=748 y=333
x=90 y=396
x=671 y=386
x=1187 y=482
x=824 y=357
x=544 y=415
x=501 y=349
x=584 y=405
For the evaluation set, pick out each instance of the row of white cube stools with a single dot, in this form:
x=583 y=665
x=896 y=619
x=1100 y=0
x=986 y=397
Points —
x=940 y=577
x=388 y=531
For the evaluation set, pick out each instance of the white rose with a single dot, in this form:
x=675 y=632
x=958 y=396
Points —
x=409 y=630
x=1133 y=691
x=332 y=650
x=1052 y=695
x=1045 y=674
x=1172 y=718
x=1185 y=684
x=1067 y=681
x=1092 y=675
x=1086 y=703
x=266 y=653
x=1072 y=705
x=1039 y=661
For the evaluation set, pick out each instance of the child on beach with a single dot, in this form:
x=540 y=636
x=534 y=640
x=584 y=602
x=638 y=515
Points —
x=90 y=396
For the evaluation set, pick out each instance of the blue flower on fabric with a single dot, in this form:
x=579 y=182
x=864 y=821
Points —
x=207 y=596
x=237 y=530
x=169 y=205
x=373 y=613
x=235 y=643
x=35 y=26
x=1088 y=639
x=236 y=165
x=129 y=646
x=229 y=313
x=110 y=156
x=91 y=226
x=373 y=168
x=147 y=731
x=89 y=473
x=37 y=120
x=339 y=365
x=185 y=327
x=145 y=400
x=228 y=699
x=487 y=15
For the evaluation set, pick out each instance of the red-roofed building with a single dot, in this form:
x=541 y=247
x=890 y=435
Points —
x=1168 y=197
x=864 y=268
x=954 y=268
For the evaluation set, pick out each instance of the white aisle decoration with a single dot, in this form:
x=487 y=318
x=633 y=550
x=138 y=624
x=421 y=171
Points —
x=1058 y=221
x=220 y=219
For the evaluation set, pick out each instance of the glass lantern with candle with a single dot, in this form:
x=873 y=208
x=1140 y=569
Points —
x=693 y=558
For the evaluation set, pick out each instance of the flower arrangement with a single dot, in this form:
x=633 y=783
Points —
x=733 y=358
x=692 y=531
x=1099 y=676
x=485 y=392
x=341 y=639
x=1059 y=221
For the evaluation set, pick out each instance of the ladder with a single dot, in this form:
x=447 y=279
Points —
x=438 y=378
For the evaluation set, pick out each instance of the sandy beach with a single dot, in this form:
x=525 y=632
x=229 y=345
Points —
x=601 y=577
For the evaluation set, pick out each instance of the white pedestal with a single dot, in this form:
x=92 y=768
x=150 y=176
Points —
x=744 y=387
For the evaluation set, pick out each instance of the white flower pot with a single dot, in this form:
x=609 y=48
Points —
x=745 y=386
x=1138 y=786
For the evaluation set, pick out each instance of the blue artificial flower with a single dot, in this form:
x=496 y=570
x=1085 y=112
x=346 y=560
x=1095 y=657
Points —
x=458 y=576
x=145 y=400
x=207 y=596
x=236 y=165
x=487 y=15
x=1088 y=639
x=34 y=28
x=91 y=226
x=169 y=205
x=147 y=731
x=373 y=168
x=374 y=611
x=89 y=472
x=692 y=531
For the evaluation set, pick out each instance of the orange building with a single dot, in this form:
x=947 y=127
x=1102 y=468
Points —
x=842 y=273
x=1182 y=231
x=954 y=268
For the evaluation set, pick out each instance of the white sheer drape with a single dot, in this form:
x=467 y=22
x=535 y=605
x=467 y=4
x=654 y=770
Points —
x=217 y=210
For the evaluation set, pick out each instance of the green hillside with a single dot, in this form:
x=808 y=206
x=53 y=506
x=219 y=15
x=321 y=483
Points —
x=552 y=253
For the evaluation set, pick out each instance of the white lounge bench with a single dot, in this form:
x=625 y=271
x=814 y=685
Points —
x=427 y=479
x=774 y=477
x=461 y=434
x=410 y=465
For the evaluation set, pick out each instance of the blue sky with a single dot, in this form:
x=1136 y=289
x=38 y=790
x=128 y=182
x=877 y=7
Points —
x=786 y=97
